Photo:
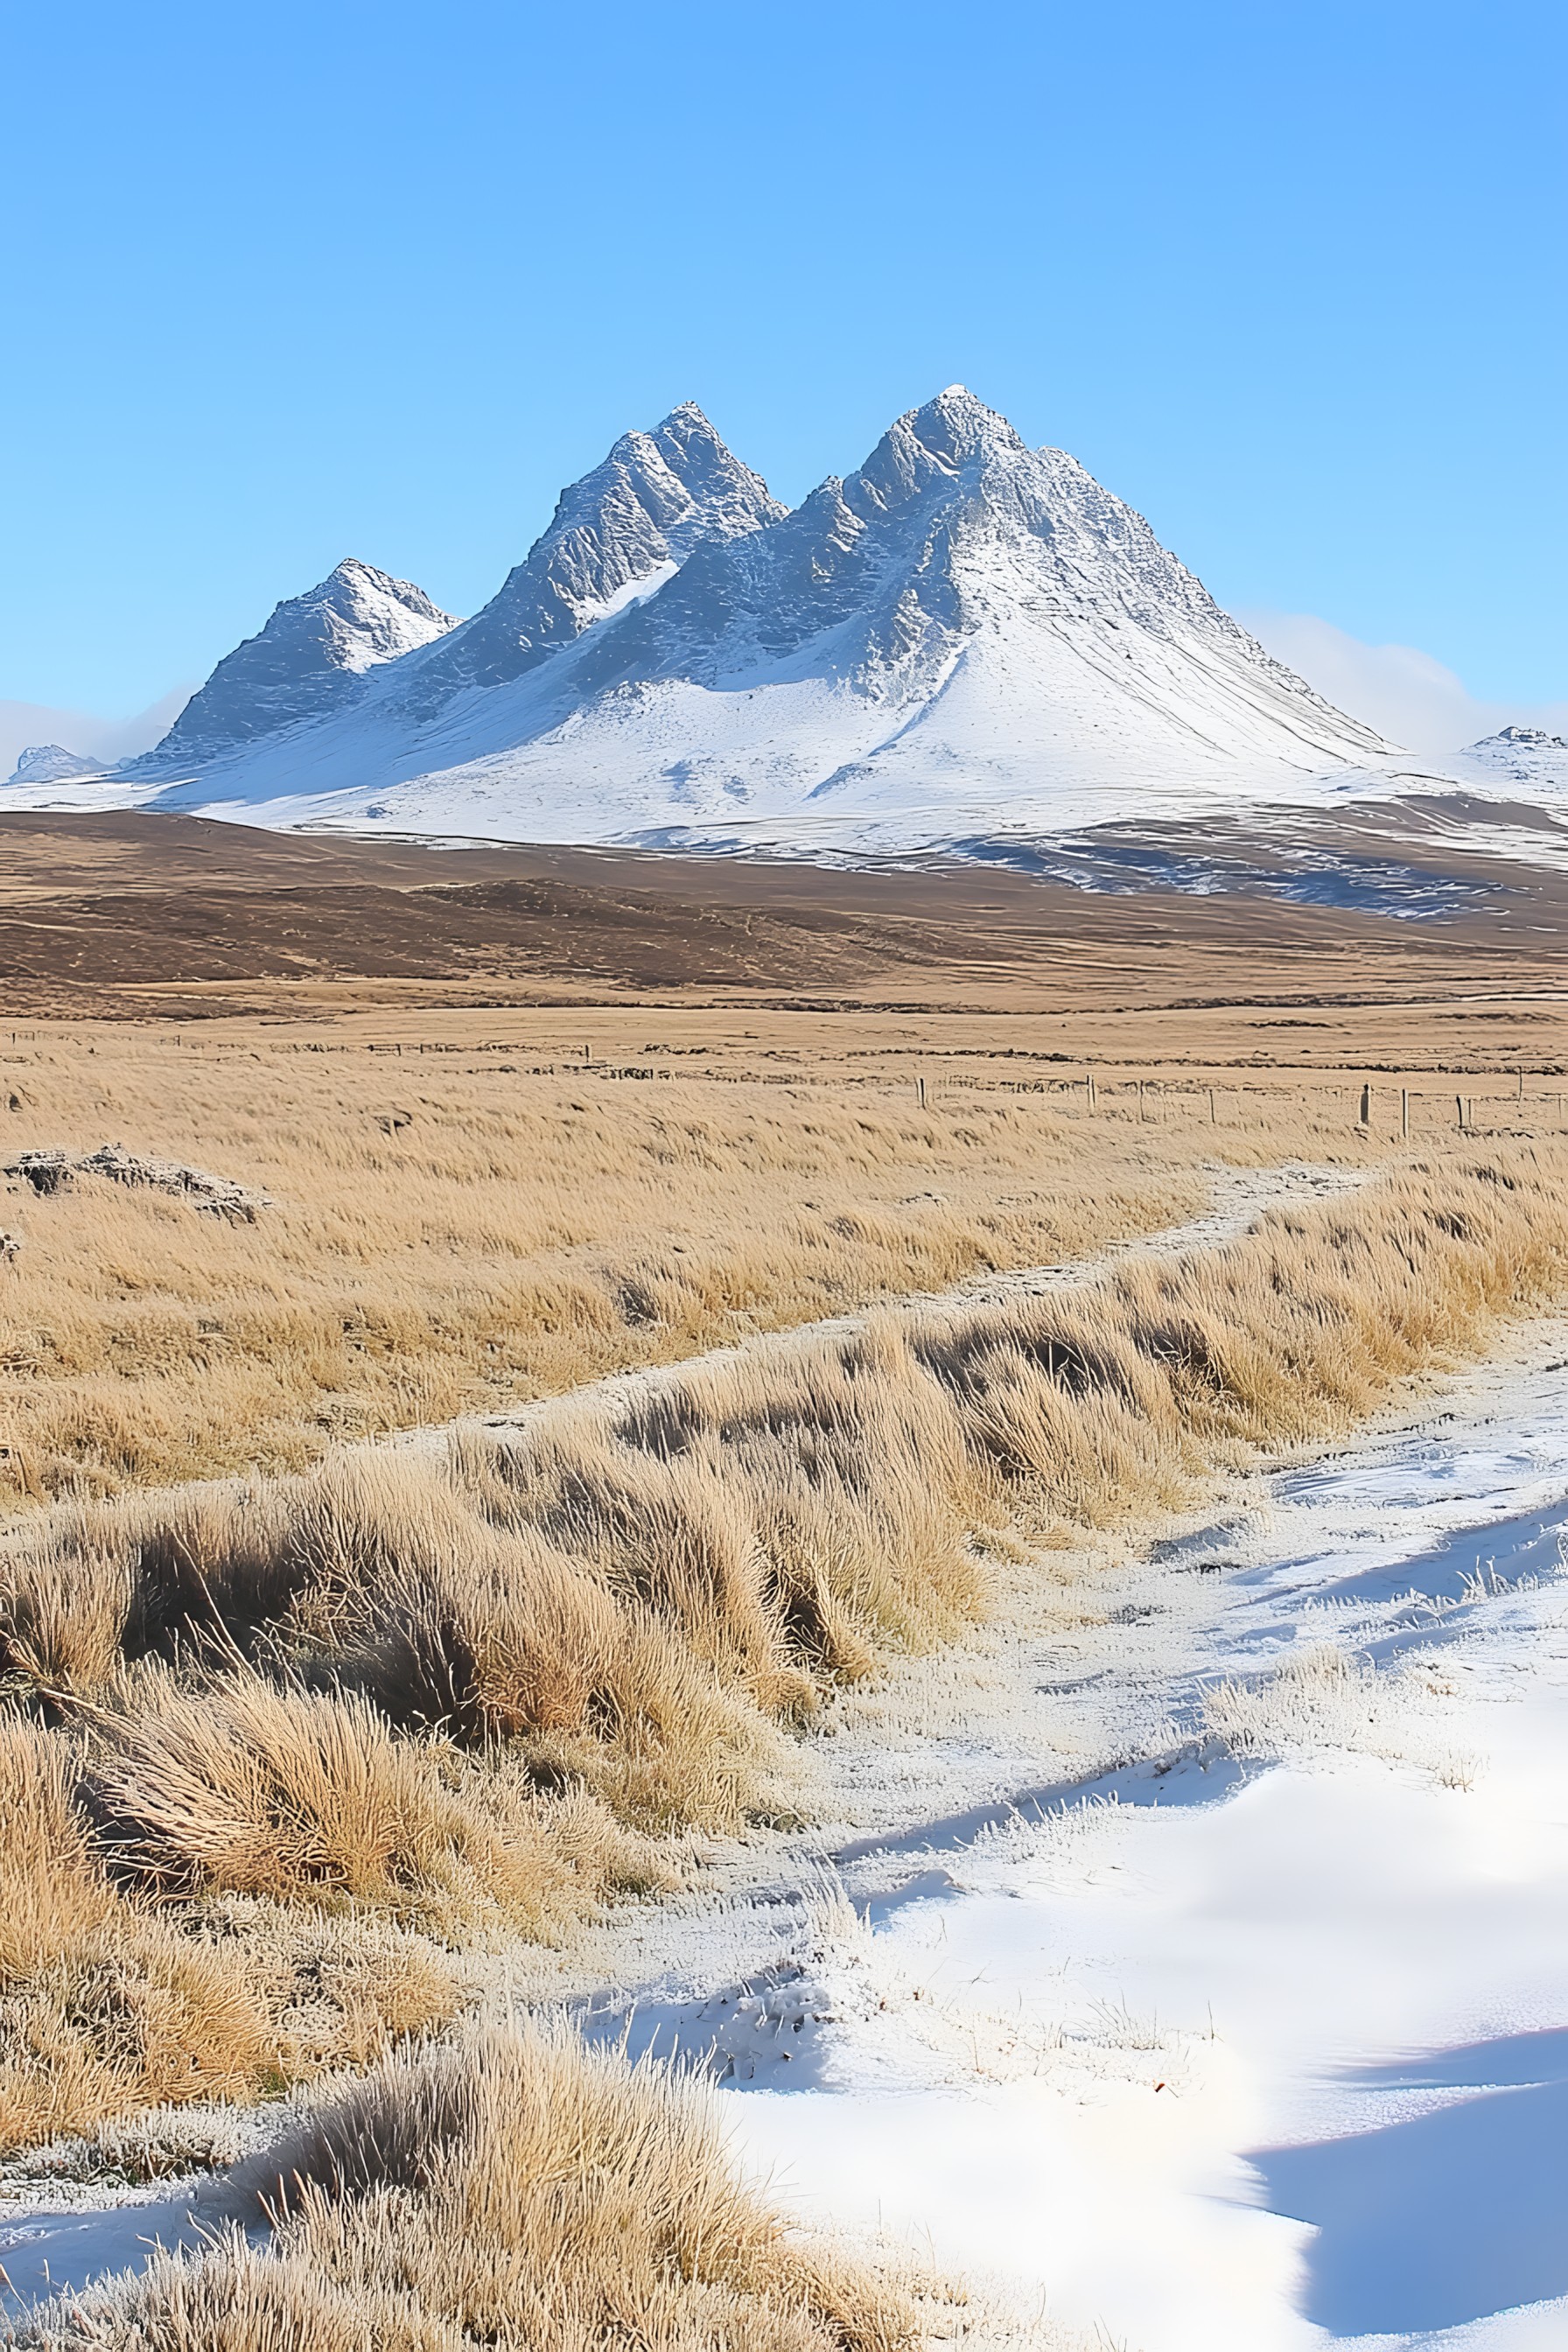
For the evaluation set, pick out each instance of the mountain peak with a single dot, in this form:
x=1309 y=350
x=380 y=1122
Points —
x=1529 y=738
x=939 y=441
x=615 y=534
x=381 y=616
x=313 y=649
x=964 y=633
x=958 y=420
x=687 y=414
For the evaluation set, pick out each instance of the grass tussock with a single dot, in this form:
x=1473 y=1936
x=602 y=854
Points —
x=459 y=1692
x=509 y=2189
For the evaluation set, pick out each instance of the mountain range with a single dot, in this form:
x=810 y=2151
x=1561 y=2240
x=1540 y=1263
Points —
x=966 y=637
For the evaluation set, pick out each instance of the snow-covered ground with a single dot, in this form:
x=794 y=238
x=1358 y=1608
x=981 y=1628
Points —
x=1261 y=2043
x=1184 y=1961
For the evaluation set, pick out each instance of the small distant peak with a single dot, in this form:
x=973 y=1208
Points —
x=1533 y=739
x=687 y=412
x=51 y=764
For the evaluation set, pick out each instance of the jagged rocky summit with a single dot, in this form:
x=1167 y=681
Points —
x=311 y=659
x=622 y=528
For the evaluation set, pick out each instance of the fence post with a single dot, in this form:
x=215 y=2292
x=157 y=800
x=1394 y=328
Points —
x=920 y=1085
x=1405 y=1113
x=1214 y=1114
x=1459 y=1106
x=1089 y=1082
x=1366 y=1105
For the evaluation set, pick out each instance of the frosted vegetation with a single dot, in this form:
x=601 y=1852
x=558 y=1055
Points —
x=295 y=1769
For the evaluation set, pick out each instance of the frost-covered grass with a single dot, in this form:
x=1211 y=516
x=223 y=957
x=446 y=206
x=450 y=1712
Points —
x=507 y=2189
x=1322 y=1698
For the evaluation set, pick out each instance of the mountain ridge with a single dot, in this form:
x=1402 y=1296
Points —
x=962 y=632
x=306 y=659
x=963 y=636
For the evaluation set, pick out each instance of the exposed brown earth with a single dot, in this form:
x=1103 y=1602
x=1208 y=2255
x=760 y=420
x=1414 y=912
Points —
x=124 y=916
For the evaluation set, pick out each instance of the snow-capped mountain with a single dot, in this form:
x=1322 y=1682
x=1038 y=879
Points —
x=309 y=659
x=50 y=763
x=618 y=532
x=965 y=638
x=615 y=534
x=965 y=633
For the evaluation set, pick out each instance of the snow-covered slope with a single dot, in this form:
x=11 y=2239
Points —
x=309 y=659
x=49 y=763
x=965 y=633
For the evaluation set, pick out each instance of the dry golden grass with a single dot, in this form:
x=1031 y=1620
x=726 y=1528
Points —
x=281 y=1761
x=533 y=1225
x=449 y=1693
x=508 y=2191
x=101 y=2007
x=111 y=2002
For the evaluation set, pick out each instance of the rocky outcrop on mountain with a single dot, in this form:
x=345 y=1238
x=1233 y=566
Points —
x=1532 y=756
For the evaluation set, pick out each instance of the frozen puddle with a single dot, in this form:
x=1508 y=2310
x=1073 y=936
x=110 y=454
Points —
x=1242 y=2053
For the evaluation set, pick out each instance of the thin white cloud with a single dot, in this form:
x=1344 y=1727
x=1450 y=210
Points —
x=1405 y=693
x=22 y=723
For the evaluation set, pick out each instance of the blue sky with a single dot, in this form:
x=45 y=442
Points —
x=292 y=282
